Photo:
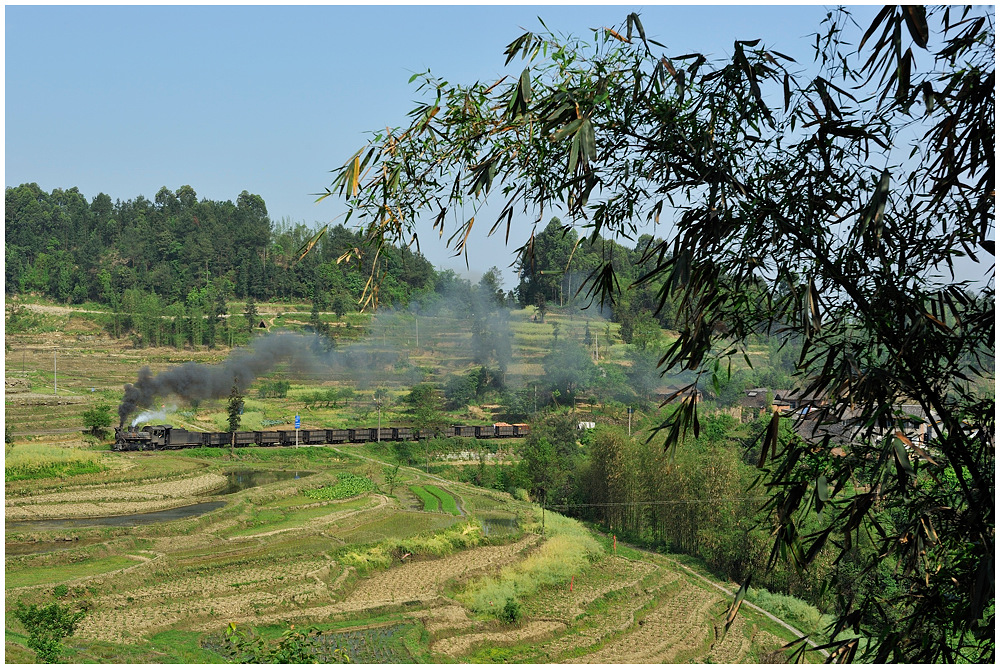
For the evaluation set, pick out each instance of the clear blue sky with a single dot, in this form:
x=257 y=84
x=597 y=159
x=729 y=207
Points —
x=125 y=100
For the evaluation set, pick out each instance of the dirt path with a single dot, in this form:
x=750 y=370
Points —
x=56 y=310
x=732 y=594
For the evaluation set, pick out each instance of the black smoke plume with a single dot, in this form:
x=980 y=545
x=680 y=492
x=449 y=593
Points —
x=195 y=381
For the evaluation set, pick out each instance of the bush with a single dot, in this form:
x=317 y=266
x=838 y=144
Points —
x=792 y=610
x=459 y=391
x=382 y=555
x=293 y=647
x=98 y=419
x=46 y=627
x=273 y=389
x=376 y=557
x=511 y=612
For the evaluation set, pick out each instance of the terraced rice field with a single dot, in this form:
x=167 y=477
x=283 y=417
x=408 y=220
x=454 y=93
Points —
x=448 y=504
x=196 y=575
x=371 y=572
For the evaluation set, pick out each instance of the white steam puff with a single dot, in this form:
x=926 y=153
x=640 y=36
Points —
x=147 y=417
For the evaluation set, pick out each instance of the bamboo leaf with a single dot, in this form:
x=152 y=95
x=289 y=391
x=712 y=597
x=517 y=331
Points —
x=822 y=489
x=734 y=608
x=879 y=18
x=574 y=153
x=770 y=439
x=618 y=37
x=587 y=142
x=525 y=85
x=916 y=22
x=567 y=129
x=307 y=247
x=903 y=77
x=354 y=175
x=904 y=468
x=812 y=298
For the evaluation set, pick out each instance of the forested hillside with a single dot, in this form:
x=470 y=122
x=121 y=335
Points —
x=183 y=257
x=180 y=248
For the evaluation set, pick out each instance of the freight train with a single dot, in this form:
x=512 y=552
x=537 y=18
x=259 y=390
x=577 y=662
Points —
x=167 y=437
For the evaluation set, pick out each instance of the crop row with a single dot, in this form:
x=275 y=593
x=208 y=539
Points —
x=447 y=501
x=430 y=501
x=381 y=645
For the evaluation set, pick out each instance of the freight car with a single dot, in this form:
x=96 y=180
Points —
x=168 y=437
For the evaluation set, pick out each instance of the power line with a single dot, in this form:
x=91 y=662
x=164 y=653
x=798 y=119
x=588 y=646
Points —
x=665 y=502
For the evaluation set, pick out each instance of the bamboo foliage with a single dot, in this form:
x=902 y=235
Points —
x=844 y=194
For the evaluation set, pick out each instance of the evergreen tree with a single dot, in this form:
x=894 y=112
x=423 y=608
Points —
x=234 y=409
x=251 y=315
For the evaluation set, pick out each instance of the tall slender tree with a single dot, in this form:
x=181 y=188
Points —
x=234 y=409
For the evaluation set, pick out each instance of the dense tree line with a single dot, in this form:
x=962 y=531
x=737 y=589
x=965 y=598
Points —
x=184 y=258
x=179 y=250
x=559 y=267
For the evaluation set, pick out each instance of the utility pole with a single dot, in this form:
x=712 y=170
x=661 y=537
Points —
x=55 y=372
x=416 y=324
x=545 y=493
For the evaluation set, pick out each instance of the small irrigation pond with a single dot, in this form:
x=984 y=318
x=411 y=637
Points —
x=236 y=481
x=496 y=523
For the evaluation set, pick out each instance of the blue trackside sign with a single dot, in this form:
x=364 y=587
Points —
x=296 y=421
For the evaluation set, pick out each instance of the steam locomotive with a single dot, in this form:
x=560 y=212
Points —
x=168 y=437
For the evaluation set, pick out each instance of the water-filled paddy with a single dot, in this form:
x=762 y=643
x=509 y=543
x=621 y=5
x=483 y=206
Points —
x=237 y=480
